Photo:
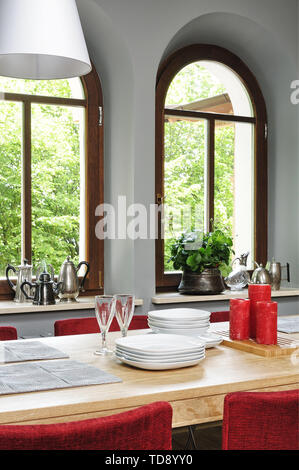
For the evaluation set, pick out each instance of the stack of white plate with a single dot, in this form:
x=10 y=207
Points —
x=184 y=321
x=158 y=352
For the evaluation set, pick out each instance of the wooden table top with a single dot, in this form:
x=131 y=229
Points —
x=196 y=393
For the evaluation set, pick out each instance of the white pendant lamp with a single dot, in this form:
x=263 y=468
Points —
x=42 y=39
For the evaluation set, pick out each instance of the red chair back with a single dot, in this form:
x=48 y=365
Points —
x=261 y=421
x=145 y=428
x=219 y=316
x=81 y=326
x=8 y=333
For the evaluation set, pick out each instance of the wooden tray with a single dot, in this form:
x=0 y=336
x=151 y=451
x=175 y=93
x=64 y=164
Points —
x=285 y=345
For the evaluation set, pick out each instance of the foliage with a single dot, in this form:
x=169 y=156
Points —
x=55 y=174
x=184 y=162
x=195 y=251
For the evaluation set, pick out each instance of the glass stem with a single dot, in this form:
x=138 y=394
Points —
x=104 y=346
x=124 y=332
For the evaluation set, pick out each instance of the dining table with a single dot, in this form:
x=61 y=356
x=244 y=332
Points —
x=196 y=393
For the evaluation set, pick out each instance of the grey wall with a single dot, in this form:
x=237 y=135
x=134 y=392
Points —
x=127 y=39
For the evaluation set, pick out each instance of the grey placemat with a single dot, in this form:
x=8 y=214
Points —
x=29 y=351
x=49 y=375
x=288 y=325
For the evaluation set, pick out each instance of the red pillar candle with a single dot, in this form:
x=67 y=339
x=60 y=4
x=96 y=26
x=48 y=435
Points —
x=256 y=293
x=239 y=319
x=266 y=322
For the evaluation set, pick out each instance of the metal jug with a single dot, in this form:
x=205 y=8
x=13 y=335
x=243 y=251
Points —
x=260 y=275
x=45 y=290
x=275 y=270
x=71 y=285
x=24 y=273
x=239 y=277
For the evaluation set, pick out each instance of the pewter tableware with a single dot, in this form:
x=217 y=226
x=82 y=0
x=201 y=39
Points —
x=23 y=272
x=69 y=278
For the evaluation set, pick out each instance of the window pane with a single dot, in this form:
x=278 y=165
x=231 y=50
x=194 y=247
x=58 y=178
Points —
x=66 y=88
x=10 y=184
x=184 y=174
x=233 y=202
x=208 y=86
x=57 y=176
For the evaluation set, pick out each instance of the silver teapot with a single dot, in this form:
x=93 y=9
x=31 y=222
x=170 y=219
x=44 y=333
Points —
x=260 y=275
x=70 y=282
x=24 y=273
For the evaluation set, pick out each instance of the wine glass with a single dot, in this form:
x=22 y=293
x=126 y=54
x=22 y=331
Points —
x=124 y=310
x=104 y=310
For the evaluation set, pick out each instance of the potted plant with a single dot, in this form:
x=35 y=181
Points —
x=204 y=260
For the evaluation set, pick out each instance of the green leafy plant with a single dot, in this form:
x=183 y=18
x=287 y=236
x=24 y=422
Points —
x=195 y=251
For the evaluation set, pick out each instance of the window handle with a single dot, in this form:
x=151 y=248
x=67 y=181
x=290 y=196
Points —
x=159 y=199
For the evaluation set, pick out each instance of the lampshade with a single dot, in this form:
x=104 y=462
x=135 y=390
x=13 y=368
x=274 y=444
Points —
x=42 y=39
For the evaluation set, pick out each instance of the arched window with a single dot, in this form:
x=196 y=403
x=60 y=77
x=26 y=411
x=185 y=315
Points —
x=211 y=153
x=51 y=174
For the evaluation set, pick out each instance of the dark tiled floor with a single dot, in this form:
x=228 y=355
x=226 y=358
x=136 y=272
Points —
x=206 y=438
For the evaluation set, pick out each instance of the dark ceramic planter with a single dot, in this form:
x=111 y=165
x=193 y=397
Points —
x=208 y=282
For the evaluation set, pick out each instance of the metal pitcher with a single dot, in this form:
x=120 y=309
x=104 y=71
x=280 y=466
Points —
x=260 y=275
x=239 y=277
x=23 y=272
x=71 y=285
x=275 y=270
x=45 y=290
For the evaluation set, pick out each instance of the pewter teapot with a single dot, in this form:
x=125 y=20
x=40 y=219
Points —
x=23 y=272
x=71 y=285
x=45 y=290
x=260 y=275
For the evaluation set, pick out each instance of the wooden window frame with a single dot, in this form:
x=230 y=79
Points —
x=166 y=73
x=94 y=176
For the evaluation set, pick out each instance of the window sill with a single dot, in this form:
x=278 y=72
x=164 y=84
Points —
x=175 y=297
x=83 y=303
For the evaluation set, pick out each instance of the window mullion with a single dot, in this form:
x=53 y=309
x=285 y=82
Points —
x=209 y=175
x=26 y=182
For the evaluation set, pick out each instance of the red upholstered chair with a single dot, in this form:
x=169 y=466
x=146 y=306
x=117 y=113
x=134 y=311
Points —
x=261 y=421
x=145 y=428
x=81 y=326
x=8 y=333
x=219 y=316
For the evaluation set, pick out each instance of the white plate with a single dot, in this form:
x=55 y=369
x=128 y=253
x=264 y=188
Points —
x=132 y=357
x=172 y=331
x=160 y=366
x=211 y=339
x=150 y=357
x=154 y=355
x=152 y=343
x=185 y=314
x=176 y=324
x=180 y=321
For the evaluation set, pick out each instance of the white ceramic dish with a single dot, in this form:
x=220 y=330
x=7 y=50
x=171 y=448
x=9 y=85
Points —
x=171 y=358
x=155 y=355
x=175 y=359
x=211 y=339
x=157 y=344
x=185 y=314
x=177 y=324
x=160 y=366
x=186 y=332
